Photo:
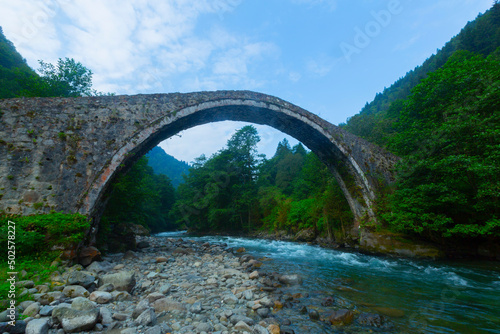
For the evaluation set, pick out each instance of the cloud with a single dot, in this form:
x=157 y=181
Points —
x=137 y=46
x=321 y=65
x=406 y=44
x=294 y=76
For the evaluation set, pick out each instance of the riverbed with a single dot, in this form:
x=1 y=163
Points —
x=415 y=296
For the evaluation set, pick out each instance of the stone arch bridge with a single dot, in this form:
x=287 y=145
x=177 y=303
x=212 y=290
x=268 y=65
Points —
x=63 y=153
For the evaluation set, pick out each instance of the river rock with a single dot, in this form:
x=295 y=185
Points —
x=254 y=275
x=258 y=329
x=242 y=326
x=293 y=279
x=105 y=315
x=141 y=306
x=73 y=291
x=167 y=305
x=83 y=278
x=122 y=281
x=108 y=287
x=204 y=327
x=18 y=328
x=89 y=254
x=195 y=308
x=390 y=312
x=147 y=318
x=374 y=320
x=32 y=310
x=101 y=297
x=341 y=317
x=74 y=320
x=46 y=310
x=82 y=304
x=273 y=329
x=313 y=314
x=143 y=244
x=99 y=267
x=235 y=318
x=38 y=326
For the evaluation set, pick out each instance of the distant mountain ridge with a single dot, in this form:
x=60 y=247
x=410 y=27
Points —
x=479 y=36
x=163 y=163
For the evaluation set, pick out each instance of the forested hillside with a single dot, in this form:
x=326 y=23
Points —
x=166 y=164
x=481 y=36
x=237 y=190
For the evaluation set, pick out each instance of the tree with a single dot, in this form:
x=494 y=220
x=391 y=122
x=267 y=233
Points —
x=67 y=78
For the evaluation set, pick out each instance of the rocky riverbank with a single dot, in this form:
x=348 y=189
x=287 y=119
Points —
x=166 y=286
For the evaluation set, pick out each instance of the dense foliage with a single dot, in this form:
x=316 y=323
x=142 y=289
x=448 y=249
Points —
x=37 y=234
x=448 y=133
x=237 y=190
x=166 y=164
x=140 y=197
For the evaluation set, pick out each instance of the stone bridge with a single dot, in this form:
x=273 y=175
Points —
x=62 y=154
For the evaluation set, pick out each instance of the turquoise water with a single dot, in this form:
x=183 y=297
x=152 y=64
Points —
x=435 y=297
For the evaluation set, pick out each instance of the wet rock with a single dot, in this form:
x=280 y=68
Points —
x=341 y=317
x=241 y=250
x=374 y=320
x=122 y=281
x=161 y=259
x=390 y=312
x=313 y=315
x=293 y=279
x=38 y=326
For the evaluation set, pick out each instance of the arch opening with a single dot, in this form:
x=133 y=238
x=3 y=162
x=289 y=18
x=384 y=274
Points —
x=302 y=126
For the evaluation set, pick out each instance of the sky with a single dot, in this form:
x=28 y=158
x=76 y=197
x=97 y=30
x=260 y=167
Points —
x=329 y=57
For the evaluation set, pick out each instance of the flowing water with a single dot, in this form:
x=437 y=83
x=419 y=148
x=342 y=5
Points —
x=419 y=296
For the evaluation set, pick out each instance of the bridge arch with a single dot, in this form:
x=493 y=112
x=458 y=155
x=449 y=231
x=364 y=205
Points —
x=105 y=135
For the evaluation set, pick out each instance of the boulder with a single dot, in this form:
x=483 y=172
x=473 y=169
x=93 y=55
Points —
x=341 y=317
x=99 y=267
x=18 y=328
x=89 y=254
x=139 y=230
x=73 y=291
x=101 y=297
x=122 y=281
x=38 y=326
x=82 y=304
x=83 y=278
x=32 y=310
x=142 y=306
x=49 y=297
x=74 y=320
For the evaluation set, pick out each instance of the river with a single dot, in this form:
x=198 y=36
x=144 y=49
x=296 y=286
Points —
x=418 y=296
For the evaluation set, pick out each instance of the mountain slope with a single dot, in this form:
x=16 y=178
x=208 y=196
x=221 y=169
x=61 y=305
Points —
x=13 y=69
x=479 y=36
x=164 y=163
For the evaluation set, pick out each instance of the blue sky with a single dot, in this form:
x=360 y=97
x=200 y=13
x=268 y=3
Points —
x=327 y=56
